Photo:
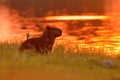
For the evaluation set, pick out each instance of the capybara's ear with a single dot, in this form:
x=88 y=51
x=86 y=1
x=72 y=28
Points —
x=47 y=27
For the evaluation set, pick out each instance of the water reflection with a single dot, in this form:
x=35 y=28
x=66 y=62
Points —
x=87 y=34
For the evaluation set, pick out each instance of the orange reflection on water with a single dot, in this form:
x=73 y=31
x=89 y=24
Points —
x=87 y=37
x=5 y=30
x=77 y=17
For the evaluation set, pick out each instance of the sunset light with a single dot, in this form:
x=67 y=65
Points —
x=77 y=17
x=59 y=39
x=88 y=29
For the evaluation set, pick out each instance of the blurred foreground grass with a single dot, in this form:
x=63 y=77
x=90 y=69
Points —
x=59 y=65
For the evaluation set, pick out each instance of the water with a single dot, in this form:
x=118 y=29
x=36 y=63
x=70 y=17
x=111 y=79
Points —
x=87 y=34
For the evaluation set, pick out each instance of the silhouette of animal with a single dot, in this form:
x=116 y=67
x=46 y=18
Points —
x=44 y=43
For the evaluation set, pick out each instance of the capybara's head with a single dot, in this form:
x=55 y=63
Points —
x=56 y=32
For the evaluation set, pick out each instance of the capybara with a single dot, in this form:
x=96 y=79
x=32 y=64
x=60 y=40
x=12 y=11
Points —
x=44 y=43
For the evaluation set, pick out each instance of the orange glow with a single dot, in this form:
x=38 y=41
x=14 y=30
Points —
x=87 y=37
x=76 y=17
x=4 y=25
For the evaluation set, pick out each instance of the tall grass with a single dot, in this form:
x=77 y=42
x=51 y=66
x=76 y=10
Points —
x=61 y=64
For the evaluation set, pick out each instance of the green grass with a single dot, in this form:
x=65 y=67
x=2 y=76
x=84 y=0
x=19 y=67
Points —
x=62 y=64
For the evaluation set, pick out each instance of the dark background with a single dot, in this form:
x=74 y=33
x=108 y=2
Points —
x=56 y=7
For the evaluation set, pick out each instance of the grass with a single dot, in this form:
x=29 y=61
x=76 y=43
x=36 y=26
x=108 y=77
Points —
x=62 y=64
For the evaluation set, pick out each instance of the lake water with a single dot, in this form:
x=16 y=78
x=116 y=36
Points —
x=88 y=35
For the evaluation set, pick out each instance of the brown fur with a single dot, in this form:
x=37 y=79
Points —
x=44 y=42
